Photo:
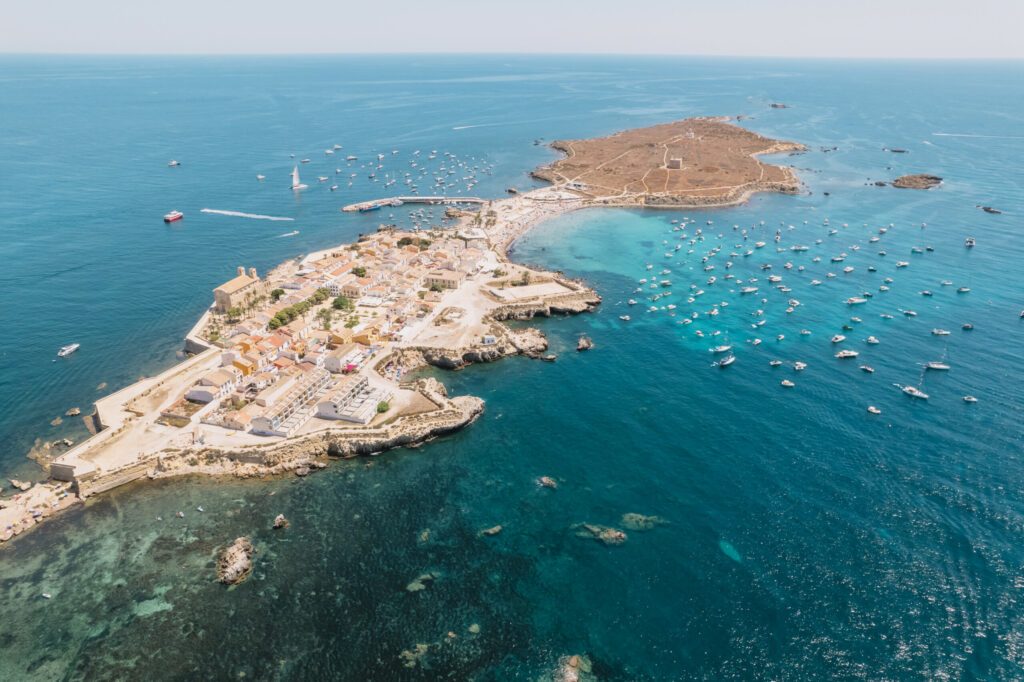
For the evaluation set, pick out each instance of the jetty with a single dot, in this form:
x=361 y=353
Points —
x=374 y=204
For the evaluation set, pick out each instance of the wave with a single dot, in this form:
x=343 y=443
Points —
x=239 y=214
x=989 y=137
x=478 y=125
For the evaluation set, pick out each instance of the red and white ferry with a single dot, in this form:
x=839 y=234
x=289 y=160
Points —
x=173 y=216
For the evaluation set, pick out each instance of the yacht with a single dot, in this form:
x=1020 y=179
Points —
x=726 y=361
x=721 y=349
x=914 y=392
x=799 y=366
x=936 y=365
x=843 y=354
x=173 y=216
x=68 y=350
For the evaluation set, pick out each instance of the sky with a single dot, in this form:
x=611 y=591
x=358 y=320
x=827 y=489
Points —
x=782 y=28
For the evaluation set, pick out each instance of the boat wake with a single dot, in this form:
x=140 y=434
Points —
x=288 y=234
x=988 y=137
x=239 y=214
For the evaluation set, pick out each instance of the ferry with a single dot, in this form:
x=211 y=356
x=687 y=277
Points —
x=68 y=350
x=173 y=216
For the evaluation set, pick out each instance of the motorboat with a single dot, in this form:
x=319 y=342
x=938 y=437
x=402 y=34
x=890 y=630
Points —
x=874 y=410
x=787 y=383
x=872 y=340
x=775 y=363
x=867 y=368
x=726 y=361
x=68 y=350
x=963 y=290
x=624 y=318
x=970 y=399
x=260 y=177
x=844 y=354
x=838 y=338
x=856 y=300
x=940 y=332
x=174 y=164
x=799 y=366
x=937 y=365
x=967 y=326
x=173 y=216
x=969 y=242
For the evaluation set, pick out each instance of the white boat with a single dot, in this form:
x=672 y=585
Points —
x=296 y=183
x=726 y=361
x=940 y=332
x=624 y=318
x=844 y=354
x=970 y=399
x=173 y=216
x=748 y=290
x=68 y=349
x=721 y=349
x=787 y=383
x=902 y=263
x=261 y=178
x=868 y=368
x=874 y=410
x=856 y=300
x=631 y=301
x=173 y=164
x=872 y=340
x=799 y=366
x=775 y=363
x=936 y=365
x=838 y=338
x=914 y=392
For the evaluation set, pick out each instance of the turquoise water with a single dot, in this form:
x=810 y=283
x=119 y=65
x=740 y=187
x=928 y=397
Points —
x=803 y=537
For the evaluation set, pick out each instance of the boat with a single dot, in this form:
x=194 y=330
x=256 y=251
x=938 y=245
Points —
x=775 y=363
x=68 y=349
x=937 y=365
x=967 y=326
x=838 y=338
x=874 y=410
x=366 y=208
x=721 y=349
x=910 y=313
x=969 y=242
x=902 y=263
x=799 y=366
x=173 y=164
x=940 y=332
x=261 y=178
x=868 y=368
x=872 y=340
x=970 y=399
x=963 y=290
x=624 y=318
x=351 y=158
x=787 y=383
x=726 y=361
x=856 y=300
x=296 y=183
x=748 y=290
x=914 y=392
x=550 y=357
x=631 y=301
x=844 y=354
x=173 y=216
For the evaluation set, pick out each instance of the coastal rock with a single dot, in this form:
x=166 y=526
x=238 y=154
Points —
x=547 y=482
x=575 y=668
x=235 y=562
x=73 y=412
x=302 y=471
x=634 y=521
x=605 y=534
x=20 y=485
x=917 y=181
x=280 y=522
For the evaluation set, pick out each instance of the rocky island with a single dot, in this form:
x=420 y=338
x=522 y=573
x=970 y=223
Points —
x=917 y=181
x=315 y=360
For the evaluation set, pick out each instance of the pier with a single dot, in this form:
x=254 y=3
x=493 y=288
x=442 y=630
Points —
x=398 y=201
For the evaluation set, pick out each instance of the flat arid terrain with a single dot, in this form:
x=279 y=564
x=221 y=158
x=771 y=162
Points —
x=696 y=161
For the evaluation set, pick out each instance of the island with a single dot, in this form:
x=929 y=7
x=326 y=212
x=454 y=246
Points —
x=917 y=181
x=317 y=359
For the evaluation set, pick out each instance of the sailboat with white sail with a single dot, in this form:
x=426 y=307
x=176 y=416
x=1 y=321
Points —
x=296 y=183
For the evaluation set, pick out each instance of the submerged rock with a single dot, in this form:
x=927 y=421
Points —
x=575 y=668
x=235 y=562
x=411 y=657
x=493 y=530
x=634 y=521
x=280 y=522
x=547 y=482
x=606 y=534
x=422 y=581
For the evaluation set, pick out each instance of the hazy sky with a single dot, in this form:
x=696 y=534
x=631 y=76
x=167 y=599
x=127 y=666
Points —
x=827 y=28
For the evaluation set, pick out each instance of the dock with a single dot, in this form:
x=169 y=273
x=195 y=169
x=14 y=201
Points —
x=398 y=201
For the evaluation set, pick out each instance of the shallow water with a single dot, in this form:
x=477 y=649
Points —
x=804 y=538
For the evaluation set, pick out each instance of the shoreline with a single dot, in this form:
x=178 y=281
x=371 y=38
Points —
x=464 y=326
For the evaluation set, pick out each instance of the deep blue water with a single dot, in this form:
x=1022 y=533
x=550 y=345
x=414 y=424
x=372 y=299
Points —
x=804 y=538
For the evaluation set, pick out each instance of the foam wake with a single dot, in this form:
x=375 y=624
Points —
x=239 y=214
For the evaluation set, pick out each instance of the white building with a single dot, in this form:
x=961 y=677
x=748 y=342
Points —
x=214 y=386
x=293 y=409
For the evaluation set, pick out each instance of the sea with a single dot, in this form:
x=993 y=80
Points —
x=797 y=536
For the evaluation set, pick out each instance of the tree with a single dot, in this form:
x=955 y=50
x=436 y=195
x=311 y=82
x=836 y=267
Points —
x=234 y=313
x=436 y=287
x=342 y=303
x=324 y=315
x=383 y=407
x=359 y=271
x=276 y=295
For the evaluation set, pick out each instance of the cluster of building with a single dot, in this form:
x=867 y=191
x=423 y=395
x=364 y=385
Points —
x=274 y=377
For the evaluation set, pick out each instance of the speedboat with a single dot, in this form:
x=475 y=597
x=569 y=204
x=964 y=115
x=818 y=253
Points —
x=936 y=365
x=969 y=242
x=775 y=363
x=967 y=326
x=624 y=318
x=787 y=383
x=721 y=349
x=902 y=263
x=68 y=349
x=631 y=301
x=799 y=366
x=844 y=354
x=726 y=361
x=970 y=399
x=260 y=177
x=868 y=368
x=874 y=410
x=838 y=338
x=174 y=164
x=856 y=300
x=872 y=340
x=940 y=332
x=173 y=216
x=963 y=290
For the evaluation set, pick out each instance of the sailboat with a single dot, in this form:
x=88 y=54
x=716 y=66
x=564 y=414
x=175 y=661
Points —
x=296 y=183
